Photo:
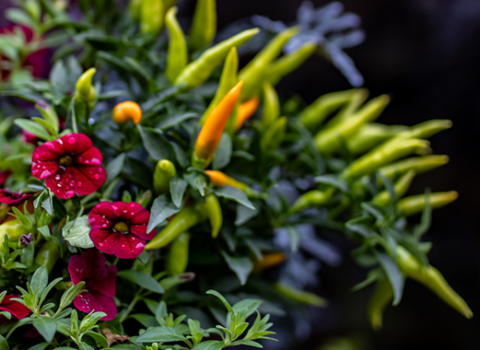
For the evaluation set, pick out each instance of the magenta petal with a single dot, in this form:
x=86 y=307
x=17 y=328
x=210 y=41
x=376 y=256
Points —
x=99 y=220
x=97 y=302
x=106 y=282
x=61 y=185
x=92 y=156
x=76 y=143
x=136 y=214
x=118 y=210
x=88 y=178
x=104 y=240
x=141 y=231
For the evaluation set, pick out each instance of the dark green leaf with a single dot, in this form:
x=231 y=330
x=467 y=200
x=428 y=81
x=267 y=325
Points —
x=294 y=234
x=210 y=345
x=115 y=167
x=241 y=266
x=223 y=154
x=162 y=208
x=39 y=279
x=33 y=128
x=175 y=120
x=235 y=194
x=160 y=334
x=98 y=338
x=177 y=190
x=244 y=214
x=46 y=326
x=146 y=320
x=394 y=275
x=333 y=181
x=142 y=279
x=157 y=145
x=59 y=76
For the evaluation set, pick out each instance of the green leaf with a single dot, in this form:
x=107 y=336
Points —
x=244 y=214
x=84 y=346
x=98 y=338
x=177 y=190
x=223 y=154
x=4 y=343
x=16 y=15
x=142 y=279
x=294 y=234
x=77 y=233
x=47 y=204
x=41 y=346
x=39 y=280
x=162 y=208
x=210 y=345
x=114 y=168
x=160 y=334
x=46 y=326
x=394 y=275
x=175 y=120
x=45 y=124
x=27 y=255
x=247 y=306
x=235 y=194
x=241 y=266
x=33 y=128
x=45 y=231
x=333 y=181
x=157 y=145
x=59 y=76
x=248 y=342
x=146 y=320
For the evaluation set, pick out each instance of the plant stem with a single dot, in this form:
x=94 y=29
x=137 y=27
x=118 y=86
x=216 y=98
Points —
x=130 y=307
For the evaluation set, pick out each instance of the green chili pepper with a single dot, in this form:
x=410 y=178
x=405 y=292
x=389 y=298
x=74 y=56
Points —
x=415 y=204
x=168 y=4
x=204 y=25
x=331 y=139
x=271 y=106
x=214 y=211
x=312 y=199
x=370 y=135
x=199 y=70
x=299 y=295
x=418 y=164
x=134 y=9
x=164 y=172
x=314 y=114
x=228 y=80
x=433 y=279
x=380 y=298
x=358 y=97
x=177 y=256
x=382 y=155
x=84 y=89
x=253 y=73
x=273 y=137
x=186 y=218
x=401 y=187
x=288 y=63
x=177 y=48
x=426 y=129
x=48 y=255
x=151 y=17
x=13 y=229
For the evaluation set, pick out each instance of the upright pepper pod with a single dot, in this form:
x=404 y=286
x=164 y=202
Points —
x=168 y=4
x=271 y=106
x=214 y=212
x=204 y=25
x=273 y=137
x=245 y=111
x=401 y=187
x=431 y=278
x=164 y=172
x=358 y=98
x=382 y=155
x=254 y=72
x=228 y=80
x=48 y=255
x=135 y=8
x=269 y=260
x=212 y=130
x=151 y=17
x=426 y=129
x=314 y=114
x=177 y=256
x=371 y=135
x=381 y=297
x=84 y=90
x=288 y=63
x=331 y=139
x=312 y=199
x=177 y=57
x=196 y=72
x=126 y=111
x=186 y=218
x=417 y=164
x=416 y=204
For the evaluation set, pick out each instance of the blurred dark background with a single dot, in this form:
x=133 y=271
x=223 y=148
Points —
x=426 y=55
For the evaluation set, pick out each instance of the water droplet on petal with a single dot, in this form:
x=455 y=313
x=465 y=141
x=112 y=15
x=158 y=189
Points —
x=79 y=184
x=72 y=183
x=59 y=184
x=57 y=177
x=96 y=176
x=71 y=140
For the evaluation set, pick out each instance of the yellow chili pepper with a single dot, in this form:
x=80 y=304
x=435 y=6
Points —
x=401 y=187
x=418 y=164
x=299 y=295
x=271 y=106
x=84 y=89
x=214 y=212
x=311 y=199
x=269 y=260
x=164 y=172
x=415 y=204
x=125 y=111
x=177 y=48
x=426 y=129
x=371 y=135
x=177 y=256
x=245 y=111
x=433 y=279
x=380 y=298
x=212 y=130
x=151 y=16
x=204 y=25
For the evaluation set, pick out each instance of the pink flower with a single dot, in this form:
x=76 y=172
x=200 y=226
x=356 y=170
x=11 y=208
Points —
x=120 y=228
x=4 y=175
x=100 y=281
x=14 y=198
x=69 y=165
x=18 y=310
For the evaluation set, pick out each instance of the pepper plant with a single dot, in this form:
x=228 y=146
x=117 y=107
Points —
x=155 y=195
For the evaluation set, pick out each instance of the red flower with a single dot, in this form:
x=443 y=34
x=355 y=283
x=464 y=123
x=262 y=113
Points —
x=69 y=165
x=4 y=175
x=120 y=228
x=18 y=310
x=8 y=197
x=100 y=281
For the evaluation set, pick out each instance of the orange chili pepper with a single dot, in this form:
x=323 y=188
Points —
x=220 y=179
x=125 y=111
x=269 y=260
x=212 y=129
x=245 y=111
